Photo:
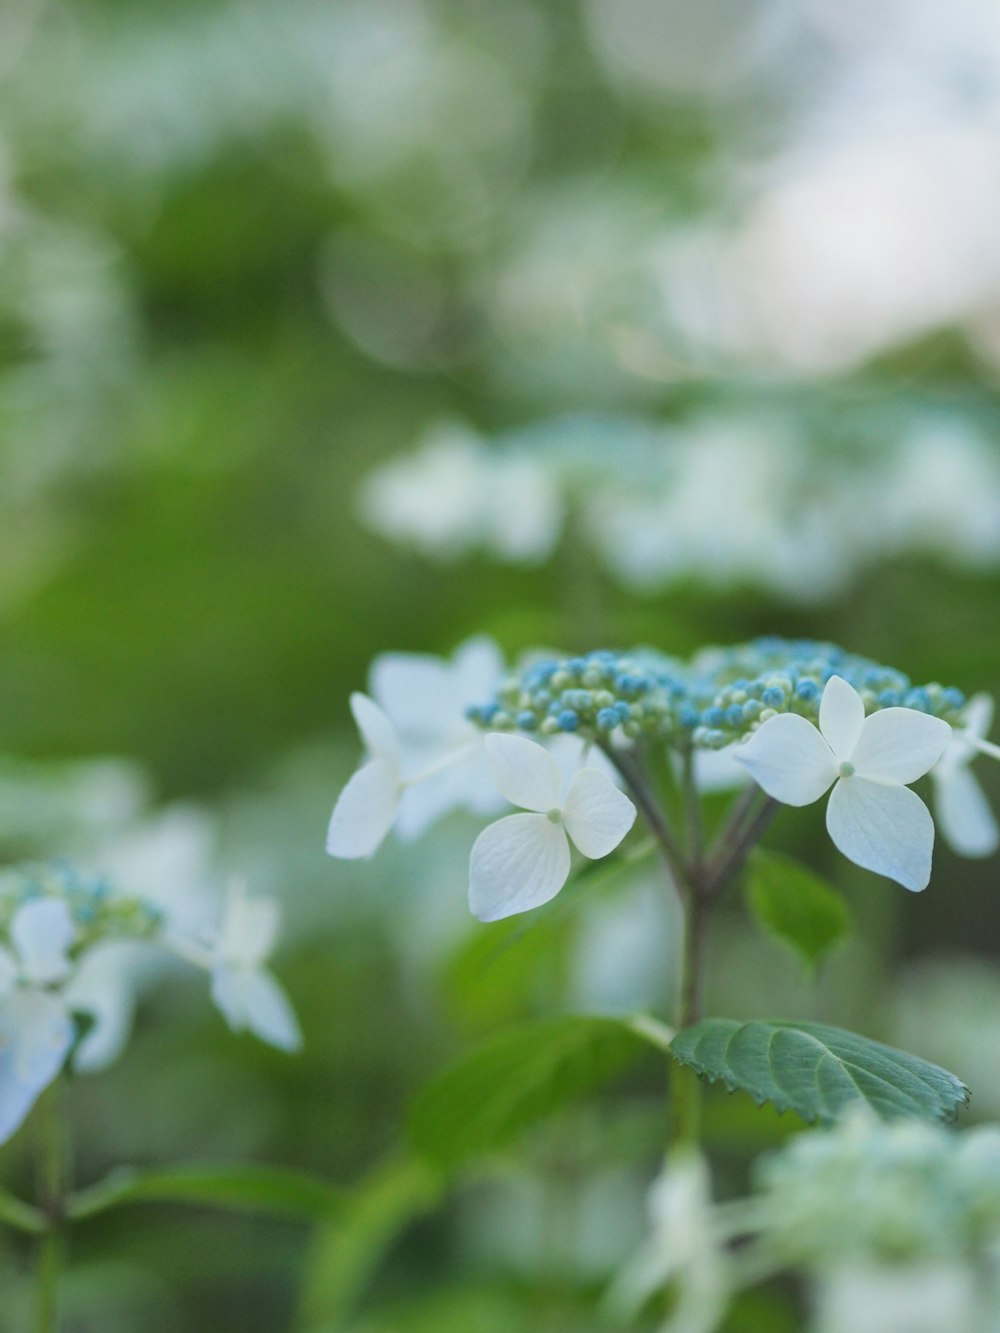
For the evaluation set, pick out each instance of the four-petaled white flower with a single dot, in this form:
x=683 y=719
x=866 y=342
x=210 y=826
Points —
x=425 y=756
x=523 y=860
x=872 y=816
x=242 y=987
x=963 y=814
x=36 y=1028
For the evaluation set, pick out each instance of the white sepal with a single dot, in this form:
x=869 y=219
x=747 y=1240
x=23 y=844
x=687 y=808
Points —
x=789 y=759
x=524 y=772
x=365 y=811
x=883 y=828
x=517 y=863
x=377 y=732
x=899 y=745
x=963 y=812
x=42 y=931
x=596 y=814
x=35 y=1035
x=841 y=716
x=251 y=999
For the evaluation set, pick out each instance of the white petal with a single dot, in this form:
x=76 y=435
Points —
x=524 y=772
x=364 y=812
x=377 y=732
x=465 y=784
x=42 y=932
x=962 y=747
x=899 y=745
x=979 y=716
x=883 y=828
x=35 y=1035
x=718 y=770
x=417 y=691
x=8 y=972
x=789 y=758
x=841 y=715
x=249 y=929
x=517 y=863
x=251 y=998
x=103 y=988
x=596 y=814
x=478 y=669
x=962 y=812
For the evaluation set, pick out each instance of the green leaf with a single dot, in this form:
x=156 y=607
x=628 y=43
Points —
x=349 y=1249
x=818 y=1071
x=486 y=1098
x=238 y=1185
x=24 y=1216
x=796 y=906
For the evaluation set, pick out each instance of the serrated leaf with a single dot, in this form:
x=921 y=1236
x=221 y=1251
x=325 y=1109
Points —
x=818 y=1071
x=796 y=906
x=488 y=1097
x=239 y=1185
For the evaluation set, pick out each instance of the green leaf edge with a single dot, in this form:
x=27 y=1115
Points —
x=239 y=1186
x=729 y=1028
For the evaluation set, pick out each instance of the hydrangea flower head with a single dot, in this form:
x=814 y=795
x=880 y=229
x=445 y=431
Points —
x=51 y=918
x=523 y=860
x=872 y=816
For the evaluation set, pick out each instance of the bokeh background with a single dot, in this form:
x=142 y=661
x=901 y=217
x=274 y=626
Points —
x=329 y=327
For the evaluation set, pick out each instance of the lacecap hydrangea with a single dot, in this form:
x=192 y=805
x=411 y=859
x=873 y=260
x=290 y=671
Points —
x=719 y=697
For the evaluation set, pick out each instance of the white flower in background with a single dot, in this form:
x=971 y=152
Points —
x=872 y=817
x=923 y=1297
x=683 y=1249
x=425 y=756
x=962 y=810
x=242 y=987
x=523 y=860
x=36 y=1029
x=454 y=493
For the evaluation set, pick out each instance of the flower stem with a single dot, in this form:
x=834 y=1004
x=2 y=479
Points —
x=52 y=1195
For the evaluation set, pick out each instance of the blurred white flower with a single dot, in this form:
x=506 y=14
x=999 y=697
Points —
x=452 y=494
x=36 y=1029
x=872 y=816
x=425 y=757
x=963 y=814
x=523 y=860
x=242 y=987
x=902 y=1298
x=683 y=1249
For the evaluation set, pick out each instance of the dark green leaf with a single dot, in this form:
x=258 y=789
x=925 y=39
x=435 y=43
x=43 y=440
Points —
x=818 y=1071
x=796 y=906
x=486 y=1098
x=239 y=1185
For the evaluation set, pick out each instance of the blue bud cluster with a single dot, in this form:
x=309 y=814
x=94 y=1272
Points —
x=98 y=913
x=719 y=696
x=642 y=693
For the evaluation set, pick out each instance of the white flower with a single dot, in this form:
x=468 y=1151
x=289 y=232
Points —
x=425 y=756
x=872 y=817
x=966 y=819
x=36 y=1029
x=242 y=987
x=523 y=860
x=683 y=1248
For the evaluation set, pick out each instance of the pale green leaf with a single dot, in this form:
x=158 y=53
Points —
x=488 y=1097
x=350 y=1247
x=239 y=1185
x=818 y=1071
x=796 y=906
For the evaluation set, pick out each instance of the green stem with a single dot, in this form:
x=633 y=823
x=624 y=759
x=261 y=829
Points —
x=52 y=1193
